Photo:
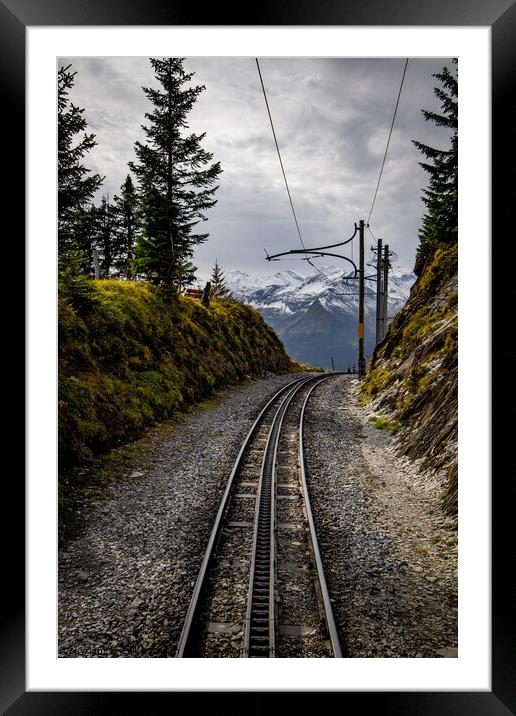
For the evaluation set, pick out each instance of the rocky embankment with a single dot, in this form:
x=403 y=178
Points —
x=412 y=380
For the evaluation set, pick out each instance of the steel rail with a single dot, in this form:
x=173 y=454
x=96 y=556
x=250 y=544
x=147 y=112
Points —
x=330 y=620
x=260 y=630
x=192 y=607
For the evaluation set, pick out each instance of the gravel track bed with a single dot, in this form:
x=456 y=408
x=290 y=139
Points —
x=302 y=648
x=389 y=551
x=125 y=580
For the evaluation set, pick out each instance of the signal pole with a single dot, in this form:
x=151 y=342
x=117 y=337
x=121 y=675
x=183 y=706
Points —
x=379 y=295
x=385 y=289
x=361 y=282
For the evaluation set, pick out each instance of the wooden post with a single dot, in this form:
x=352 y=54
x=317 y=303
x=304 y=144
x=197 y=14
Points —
x=332 y=366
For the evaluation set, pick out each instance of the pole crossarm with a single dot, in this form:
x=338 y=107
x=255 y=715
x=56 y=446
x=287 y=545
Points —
x=341 y=243
x=313 y=253
x=318 y=251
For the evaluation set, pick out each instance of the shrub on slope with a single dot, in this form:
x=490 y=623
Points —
x=127 y=358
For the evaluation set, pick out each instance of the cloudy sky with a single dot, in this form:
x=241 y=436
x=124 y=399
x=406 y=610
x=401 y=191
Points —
x=332 y=118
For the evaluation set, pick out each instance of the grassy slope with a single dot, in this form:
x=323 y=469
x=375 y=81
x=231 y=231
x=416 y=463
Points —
x=128 y=359
x=413 y=375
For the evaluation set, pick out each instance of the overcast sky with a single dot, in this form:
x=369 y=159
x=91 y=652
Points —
x=332 y=118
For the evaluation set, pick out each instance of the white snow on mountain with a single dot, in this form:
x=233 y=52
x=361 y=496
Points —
x=316 y=315
x=288 y=291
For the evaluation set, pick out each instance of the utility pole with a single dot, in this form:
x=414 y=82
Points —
x=385 y=288
x=319 y=251
x=379 y=296
x=361 y=281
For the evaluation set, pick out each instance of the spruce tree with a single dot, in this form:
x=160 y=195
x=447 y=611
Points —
x=126 y=228
x=75 y=187
x=105 y=237
x=440 y=197
x=85 y=238
x=218 y=284
x=176 y=179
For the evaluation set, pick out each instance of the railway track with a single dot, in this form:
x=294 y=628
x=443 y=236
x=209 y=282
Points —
x=261 y=590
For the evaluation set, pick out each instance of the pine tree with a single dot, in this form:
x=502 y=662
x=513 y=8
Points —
x=126 y=229
x=440 y=221
x=175 y=177
x=85 y=231
x=218 y=284
x=105 y=237
x=75 y=187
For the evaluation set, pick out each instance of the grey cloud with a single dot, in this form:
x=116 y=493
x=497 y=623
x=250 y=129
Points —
x=332 y=118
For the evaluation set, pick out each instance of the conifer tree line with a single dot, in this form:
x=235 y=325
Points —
x=440 y=221
x=148 y=230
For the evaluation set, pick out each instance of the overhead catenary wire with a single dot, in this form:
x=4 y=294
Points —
x=279 y=153
x=284 y=173
x=388 y=141
x=308 y=259
x=369 y=229
x=332 y=281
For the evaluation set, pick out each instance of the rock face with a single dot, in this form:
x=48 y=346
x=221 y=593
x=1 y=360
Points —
x=413 y=375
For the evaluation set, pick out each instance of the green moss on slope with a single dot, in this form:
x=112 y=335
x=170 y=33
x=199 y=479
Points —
x=127 y=358
x=413 y=374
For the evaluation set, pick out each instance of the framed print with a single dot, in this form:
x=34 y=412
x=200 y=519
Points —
x=36 y=676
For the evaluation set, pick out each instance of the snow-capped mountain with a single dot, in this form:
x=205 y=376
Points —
x=316 y=316
x=288 y=292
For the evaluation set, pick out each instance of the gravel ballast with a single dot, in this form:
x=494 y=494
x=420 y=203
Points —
x=126 y=574
x=389 y=551
x=126 y=578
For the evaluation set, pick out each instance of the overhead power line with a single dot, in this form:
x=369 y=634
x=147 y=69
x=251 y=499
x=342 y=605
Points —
x=283 y=171
x=370 y=231
x=279 y=153
x=388 y=140
x=307 y=258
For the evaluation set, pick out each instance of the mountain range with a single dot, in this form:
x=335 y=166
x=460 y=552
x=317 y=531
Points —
x=316 y=316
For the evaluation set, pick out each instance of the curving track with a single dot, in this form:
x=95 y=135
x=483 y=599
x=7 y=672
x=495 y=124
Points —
x=261 y=590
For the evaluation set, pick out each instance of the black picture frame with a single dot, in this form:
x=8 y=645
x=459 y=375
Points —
x=500 y=15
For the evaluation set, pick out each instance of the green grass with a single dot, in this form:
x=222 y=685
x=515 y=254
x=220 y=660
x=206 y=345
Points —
x=129 y=358
x=387 y=424
x=375 y=381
